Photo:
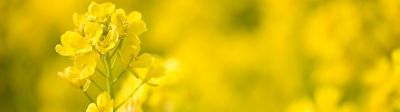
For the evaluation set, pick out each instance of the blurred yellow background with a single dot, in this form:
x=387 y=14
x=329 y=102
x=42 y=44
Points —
x=221 y=55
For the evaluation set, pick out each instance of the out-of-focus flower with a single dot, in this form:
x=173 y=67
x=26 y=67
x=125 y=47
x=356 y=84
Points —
x=72 y=75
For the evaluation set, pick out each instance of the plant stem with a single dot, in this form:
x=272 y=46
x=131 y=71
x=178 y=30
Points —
x=101 y=73
x=108 y=74
x=118 y=46
x=119 y=76
x=97 y=85
x=87 y=95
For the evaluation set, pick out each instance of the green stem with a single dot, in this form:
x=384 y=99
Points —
x=97 y=85
x=108 y=74
x=119 y=76
x=101 y=73
x=87 y=95
x=118 y=46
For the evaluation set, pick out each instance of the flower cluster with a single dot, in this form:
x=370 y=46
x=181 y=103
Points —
x=105 y=42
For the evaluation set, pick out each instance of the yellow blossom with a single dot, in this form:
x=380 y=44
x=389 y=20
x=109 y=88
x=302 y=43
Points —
x=98 y=12
x=108 y=42
x=72 y=43
x=104 y=104
x=86 y=64
x=84 y=67
x=93 y=32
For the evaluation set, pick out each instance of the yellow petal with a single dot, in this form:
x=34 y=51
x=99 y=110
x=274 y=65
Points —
x=94 y=10
x=136 y=28
x=99 y=11
x=104 y=102
x=143 y=61
x=118 y=19
x=64 y=51
x=86 y=64
x=134 y=16
x=72 y=43
x=93 y=32
x=109 y=42
x=108 y=8
x=111 y=39
x=79 y=21
x=92 y=108
x=136 y=25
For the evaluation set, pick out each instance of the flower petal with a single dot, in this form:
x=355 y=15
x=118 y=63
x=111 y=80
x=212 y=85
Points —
x=118 y=19
x=86 y=64
x=108 y=8
x=93 y=32
x=109 y=42
x=136 y=25
x=104 y=102
x=72 y=43
x=99 y=11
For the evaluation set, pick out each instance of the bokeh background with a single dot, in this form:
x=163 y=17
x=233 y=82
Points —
x=221 y=55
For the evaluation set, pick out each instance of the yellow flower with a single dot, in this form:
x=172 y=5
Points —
x=108 y=42
x=72 y=43
x=93 y=32
x=86 y=64
x=104 y=104
x=84 y=67
x=98 y=12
